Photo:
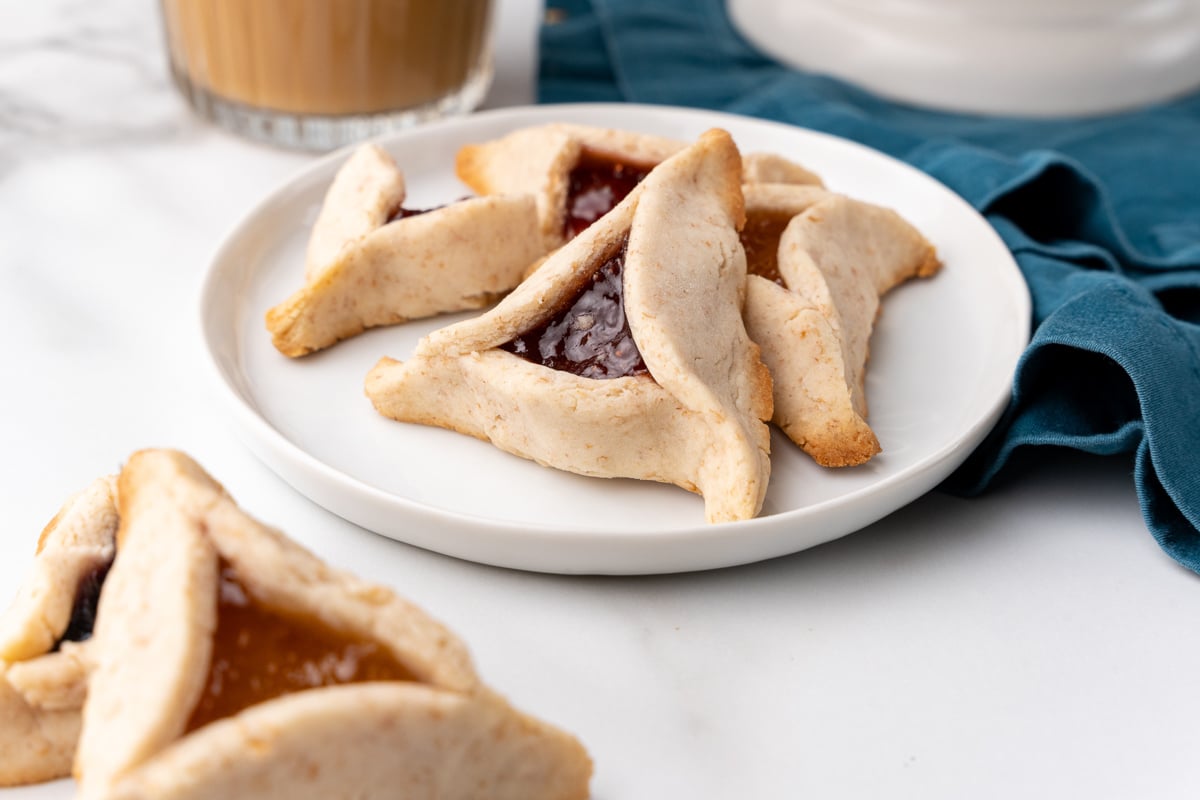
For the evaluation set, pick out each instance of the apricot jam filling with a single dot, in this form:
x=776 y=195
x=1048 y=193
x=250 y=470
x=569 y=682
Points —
x=595 y=186
x=260 y=653
x=591 y=338
x=760 y=240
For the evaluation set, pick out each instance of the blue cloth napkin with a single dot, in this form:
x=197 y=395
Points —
x=1102 y=214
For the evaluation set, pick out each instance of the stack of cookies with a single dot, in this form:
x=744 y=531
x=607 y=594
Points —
x=167 y=646
x=659 y=303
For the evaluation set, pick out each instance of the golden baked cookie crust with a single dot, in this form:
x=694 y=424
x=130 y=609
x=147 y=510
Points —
x=365 y=270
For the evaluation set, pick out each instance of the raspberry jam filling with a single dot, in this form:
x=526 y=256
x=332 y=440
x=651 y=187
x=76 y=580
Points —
x=591 y=338
x=83 y=613
x=595 y=187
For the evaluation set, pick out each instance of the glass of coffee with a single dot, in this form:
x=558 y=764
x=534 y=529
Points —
x=318 y=74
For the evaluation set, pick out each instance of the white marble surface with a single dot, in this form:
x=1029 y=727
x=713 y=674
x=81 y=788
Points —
x=1032 y=643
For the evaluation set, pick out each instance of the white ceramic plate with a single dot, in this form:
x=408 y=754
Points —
x=942 y=359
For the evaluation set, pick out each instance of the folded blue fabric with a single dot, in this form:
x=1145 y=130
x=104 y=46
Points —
x=1102 y=214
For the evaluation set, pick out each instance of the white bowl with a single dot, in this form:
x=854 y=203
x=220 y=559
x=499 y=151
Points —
x=1013 y=57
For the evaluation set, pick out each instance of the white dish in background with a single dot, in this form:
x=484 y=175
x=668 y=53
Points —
x=942 y=360
x=1009 y=57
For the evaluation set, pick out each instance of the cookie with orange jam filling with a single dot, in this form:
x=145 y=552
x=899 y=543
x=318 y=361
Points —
x=819 y=265
x=259 y=671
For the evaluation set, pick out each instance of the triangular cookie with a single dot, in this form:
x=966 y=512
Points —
x=650 y=298
x=230 y=662
x=42 y=671
x=578 y=173
x=772 y=168
x=820 y=263
x=372 y=262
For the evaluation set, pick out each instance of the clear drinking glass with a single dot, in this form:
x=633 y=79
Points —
x=318 y=74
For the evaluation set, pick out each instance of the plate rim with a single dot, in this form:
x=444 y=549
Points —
x=306 y=472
